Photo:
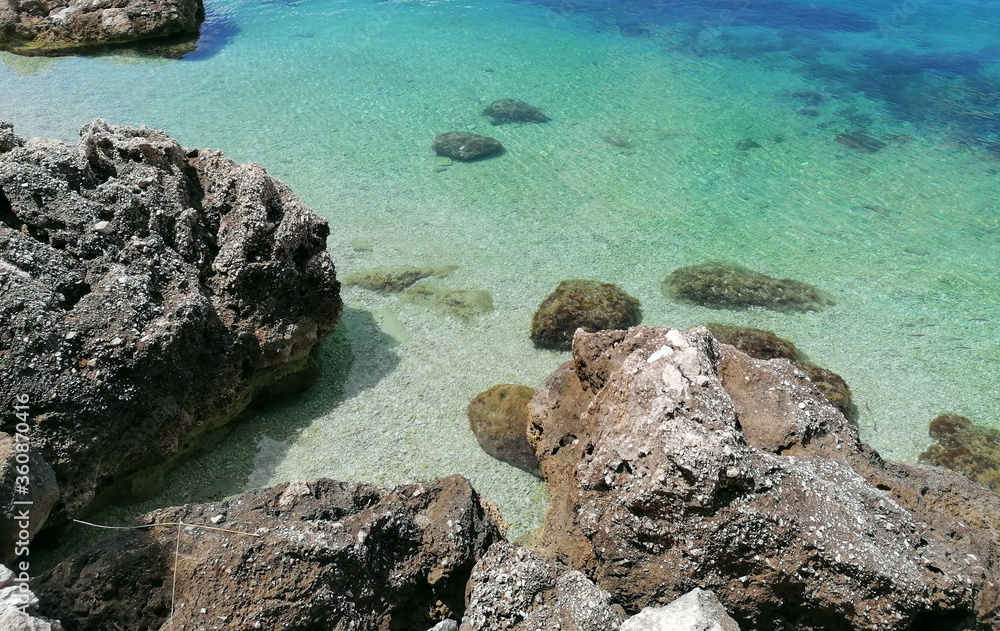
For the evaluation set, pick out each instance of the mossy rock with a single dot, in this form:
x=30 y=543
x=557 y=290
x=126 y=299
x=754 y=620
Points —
x=583 y=304
x=723 y=286
x=499 y=419
x=963 y=446
x=514 y=111
x=763 y=344
x=461 y=145
x=464 y=305
x=393 y=280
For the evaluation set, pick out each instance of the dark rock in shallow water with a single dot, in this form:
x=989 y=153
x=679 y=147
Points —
x=499 y=419
x=761 y=344
x=721 y=286
x=514 y=111
x=321 y=555
x=464 y=146
x=394 y=279
x=518 y=590
x=148 y=293
x=747 y=144
x=582 y=304
x=53 y=27
x=961 y=445
x=860 y=141
x=675 y=461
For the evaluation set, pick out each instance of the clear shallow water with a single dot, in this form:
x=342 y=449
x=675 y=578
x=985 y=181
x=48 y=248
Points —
x=342 y=99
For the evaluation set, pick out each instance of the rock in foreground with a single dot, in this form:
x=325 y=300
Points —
x=676 y=462
x=48 y=27
x=517 y=590
x=325 y=555
x=148 y=293
x=464 y=146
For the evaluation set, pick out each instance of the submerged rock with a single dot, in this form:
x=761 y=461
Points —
x=322 y=555
x=499 y=419
x=394 y=280
x=464 y=146
x=675 y=461
x=514 y=111
x=860 y=141
x=961 y=445
x=762 y=344
x=517 y=590
x=720 y=286
x=52 y=27
x=585 y=304
x=465 y=305
x=148 y=293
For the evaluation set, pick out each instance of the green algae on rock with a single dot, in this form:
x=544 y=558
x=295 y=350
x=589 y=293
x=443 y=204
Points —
x=725 y=286
x=961 y=445
x=499 y=419
x=393 y=280
x=514 y=111
x=582 y=304
x=763 y=344
x=463 y=304
x=461 y=145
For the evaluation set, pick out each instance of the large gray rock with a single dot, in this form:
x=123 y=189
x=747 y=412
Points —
x=514 y=589
x=29 y=491
x=674 y=461
x=149 y=293
x=47 y=27
x=697 y=610
x=321 y=555
x=18 y=603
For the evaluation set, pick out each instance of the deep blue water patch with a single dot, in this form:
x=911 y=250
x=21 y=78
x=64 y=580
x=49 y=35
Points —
x=217 y=31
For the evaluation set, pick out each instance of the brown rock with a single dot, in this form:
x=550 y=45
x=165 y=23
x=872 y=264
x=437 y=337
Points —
x=961 y=445
x=583 y=304
x=324 y=555
x=150 y=293
x=517 y=590
x=49 y=27
x=674 y=461
x=464 y=146
x=763 y=344
x=499 y=419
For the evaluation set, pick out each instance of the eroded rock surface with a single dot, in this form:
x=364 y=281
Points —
x=675 y=462
x=327 y=555
x=49 y=27
x=513 y=589
x=148 y=293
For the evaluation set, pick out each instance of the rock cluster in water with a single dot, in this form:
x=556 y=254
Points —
x=148 y=293
x=49 y=27
x=722 y=286
x=586 y=304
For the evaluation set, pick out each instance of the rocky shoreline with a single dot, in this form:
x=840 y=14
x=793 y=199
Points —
x=150 y=292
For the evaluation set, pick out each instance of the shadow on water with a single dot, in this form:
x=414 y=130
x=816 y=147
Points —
x=355 y=358
x=217 y=32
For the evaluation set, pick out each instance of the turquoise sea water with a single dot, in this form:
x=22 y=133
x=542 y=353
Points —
x=342 y=99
